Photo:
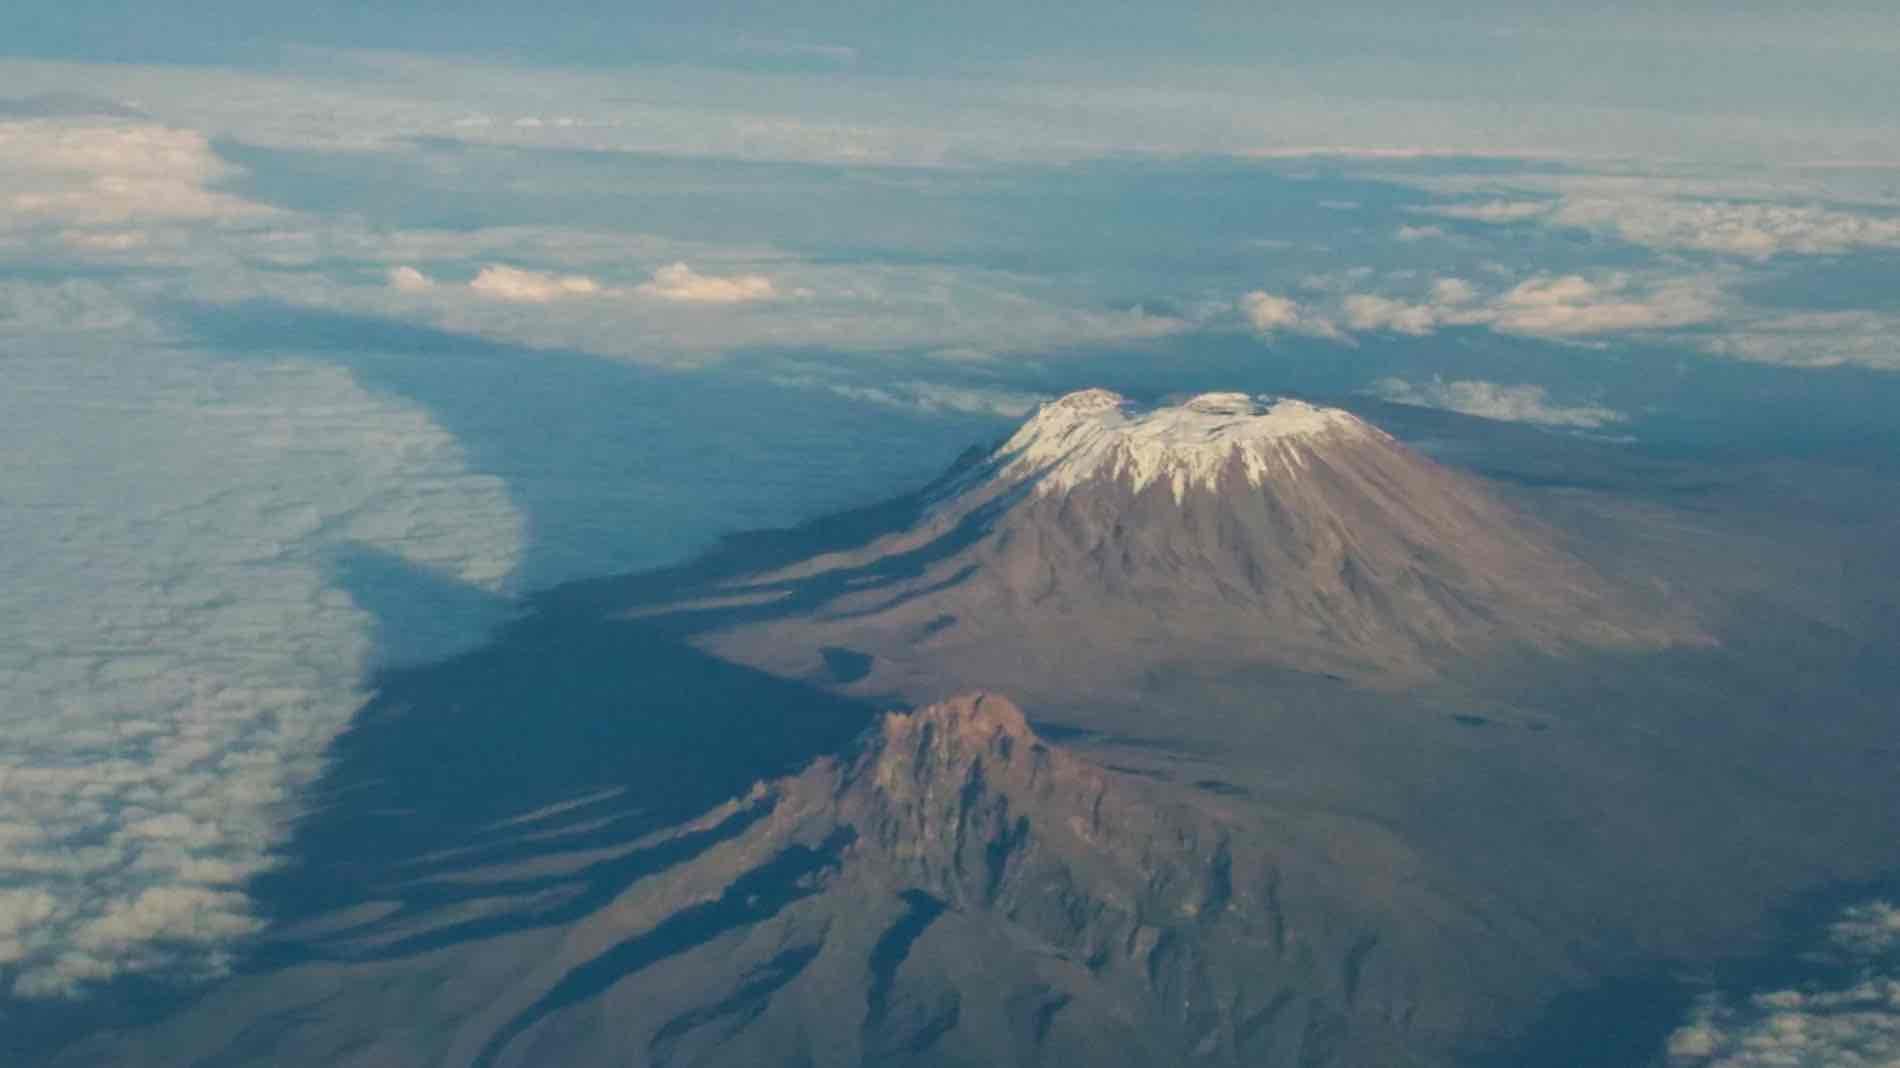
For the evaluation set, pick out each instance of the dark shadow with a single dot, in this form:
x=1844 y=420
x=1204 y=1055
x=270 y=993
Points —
x=420 y=615
x=1625 y=1021
x=620 y=721
x=846 y=666
x=616 y=467
x=794 y=874
x=666 y=597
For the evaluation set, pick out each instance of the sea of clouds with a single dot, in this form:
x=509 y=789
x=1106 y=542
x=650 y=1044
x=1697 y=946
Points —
x=176 y=653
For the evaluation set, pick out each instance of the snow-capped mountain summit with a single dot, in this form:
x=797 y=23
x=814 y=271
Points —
x=1097 y=433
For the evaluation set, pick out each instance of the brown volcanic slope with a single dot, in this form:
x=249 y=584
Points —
x=954 y=891
x=1102 y=541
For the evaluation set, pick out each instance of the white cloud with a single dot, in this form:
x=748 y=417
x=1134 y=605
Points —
x=1571 y=305
x=680 y=283
x=853 y=307
x=928 y=396
x=75 y=174
x=406 y=279
x=1271 y=314
x=1491 y=400
x=515 y=285
x=1418 y=233
x=1851 y=1020
x=1567 y=306
x=1453 y=292
x=1382 y=314
x=1733 y=217
x=1756 y=230
x=174 y=657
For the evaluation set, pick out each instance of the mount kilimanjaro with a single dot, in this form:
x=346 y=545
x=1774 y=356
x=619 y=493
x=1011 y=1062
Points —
x=1103 y=539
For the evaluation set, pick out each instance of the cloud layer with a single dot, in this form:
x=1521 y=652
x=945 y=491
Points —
x=175 y=656
x=1729 y=226
x=87 y=175
x=1561 y=307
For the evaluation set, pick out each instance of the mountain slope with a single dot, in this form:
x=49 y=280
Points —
x=1102 y=540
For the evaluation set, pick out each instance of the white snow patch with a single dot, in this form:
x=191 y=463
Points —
x=1096 y=433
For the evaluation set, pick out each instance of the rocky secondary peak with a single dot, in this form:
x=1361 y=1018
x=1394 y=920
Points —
x=938 y=765
x=1096 y=433
x=956 y=729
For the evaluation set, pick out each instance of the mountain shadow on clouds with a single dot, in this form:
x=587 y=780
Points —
x=420 y=614
x=616 y=467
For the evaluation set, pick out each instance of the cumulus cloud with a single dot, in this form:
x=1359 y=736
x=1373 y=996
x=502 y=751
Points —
x=1452 y=292
x=1370 y=313
x=515 y=285
x=1491 y=400
x=1550 y=306
x=174 y=653
x=1270 y=314
x=1849 y=1020
x=1573 y=305
x=409 y=280
x=82 y=173
x=679 y=283
x=675 y=283
x=1418 y=233
x=1750 y=229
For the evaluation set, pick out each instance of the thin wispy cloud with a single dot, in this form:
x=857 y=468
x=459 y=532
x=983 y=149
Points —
x=1493 y=211
x=1492 y=400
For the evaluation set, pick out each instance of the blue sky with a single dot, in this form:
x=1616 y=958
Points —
x=497 y=296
